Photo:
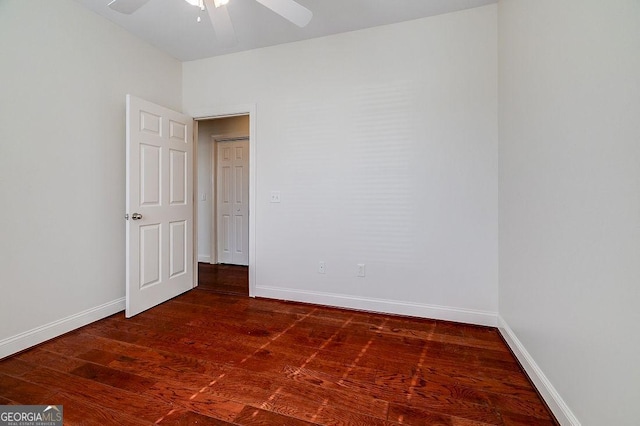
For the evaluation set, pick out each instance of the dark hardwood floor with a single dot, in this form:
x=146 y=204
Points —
x=211 y=359
x=226 y=279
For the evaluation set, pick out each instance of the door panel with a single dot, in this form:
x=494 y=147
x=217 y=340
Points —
x=226 y=235
x=239 y=233
x=150 y=123
x=178 y=131
x=233 y=202
x=149 y=175
x=226 y=186
x=149 y=255
x=178 y=244
x=239 y=185
x=178 y=177
x=159 y=188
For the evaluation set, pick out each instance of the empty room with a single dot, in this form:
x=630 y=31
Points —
x=320 y=212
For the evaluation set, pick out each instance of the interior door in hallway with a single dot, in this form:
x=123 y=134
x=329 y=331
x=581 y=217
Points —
x=233 y=202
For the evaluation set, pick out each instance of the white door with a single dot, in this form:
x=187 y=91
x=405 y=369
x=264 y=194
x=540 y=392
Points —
x=159 y=246
x=233 y=202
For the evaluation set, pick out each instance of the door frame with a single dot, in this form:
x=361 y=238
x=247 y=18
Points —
x=225 y=112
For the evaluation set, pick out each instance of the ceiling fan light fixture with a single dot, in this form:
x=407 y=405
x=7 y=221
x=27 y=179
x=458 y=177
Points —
x=219 y=3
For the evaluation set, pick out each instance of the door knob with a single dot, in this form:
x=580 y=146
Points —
x=136 y=216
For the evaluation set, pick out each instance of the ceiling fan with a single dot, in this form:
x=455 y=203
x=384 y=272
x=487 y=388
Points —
x=219 y=15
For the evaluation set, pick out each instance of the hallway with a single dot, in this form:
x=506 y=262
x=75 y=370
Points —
x=224 y=279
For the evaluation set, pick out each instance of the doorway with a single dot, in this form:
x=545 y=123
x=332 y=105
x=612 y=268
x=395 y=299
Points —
x=223 y=199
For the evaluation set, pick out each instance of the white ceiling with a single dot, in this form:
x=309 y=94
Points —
x=171 y=24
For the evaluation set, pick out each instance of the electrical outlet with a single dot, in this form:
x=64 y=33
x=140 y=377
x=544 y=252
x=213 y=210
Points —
x=322 y=268
x=360 y=270
x=275 y=196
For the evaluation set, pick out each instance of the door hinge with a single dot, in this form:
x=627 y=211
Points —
x=126 y=216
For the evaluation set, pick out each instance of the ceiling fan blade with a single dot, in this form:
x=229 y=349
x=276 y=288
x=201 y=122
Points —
x=222 y=24
x=126 y=6
x=289 y=10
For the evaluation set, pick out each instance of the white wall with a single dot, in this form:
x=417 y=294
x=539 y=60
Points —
x=383 y=143
x=229 y=126
x=64 y=73
x=570 y=198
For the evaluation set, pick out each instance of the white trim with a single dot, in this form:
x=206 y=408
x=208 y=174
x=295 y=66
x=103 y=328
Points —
x=227 y=111
x=551 y=396
x=447 y=313
x=204 y=258
x=230 y=136
x=196 y=200
x=22 y=341
x=213 y=182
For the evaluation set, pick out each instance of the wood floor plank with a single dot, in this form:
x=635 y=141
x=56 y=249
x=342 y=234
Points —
x=512 y=419
x=239 y=325
x=207 y=358
x=14 y=366
x=413 y=416
x=112 y=377
x=153 y=362
x=78 y=411
x=447 y=407
x=23 y=391
x=144 y=362
x=182 y=417
x=330 y=415
x=335 y=397
x=245 y=386
x=487 y=383
x=338 y=369
x=208 y=404
x=100 y=394
x=45 y=358
x=519 y=405
x=208 y=348
x=252 y=416
x=7 y=401
x=70 y=344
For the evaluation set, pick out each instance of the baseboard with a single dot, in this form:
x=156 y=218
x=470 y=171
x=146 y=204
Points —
x=380 y=305
x=22 y=341
x=204 y=258
x=551 y=396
